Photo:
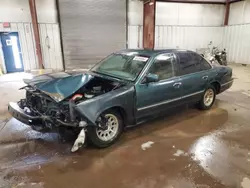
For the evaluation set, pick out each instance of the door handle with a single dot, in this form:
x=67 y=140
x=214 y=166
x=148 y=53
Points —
x=177 y=85
x=205 y=77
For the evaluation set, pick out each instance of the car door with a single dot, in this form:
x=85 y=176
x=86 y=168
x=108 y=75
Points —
x=154 y=97
x=194 y=75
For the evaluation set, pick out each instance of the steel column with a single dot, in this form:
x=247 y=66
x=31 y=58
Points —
x=149 y=24
x=227 y=12
x=33 y=13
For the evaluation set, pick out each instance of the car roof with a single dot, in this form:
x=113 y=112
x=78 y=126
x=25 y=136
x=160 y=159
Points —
x=152 y=52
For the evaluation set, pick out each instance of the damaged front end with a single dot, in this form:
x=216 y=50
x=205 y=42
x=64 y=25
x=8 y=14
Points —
x=51 y=103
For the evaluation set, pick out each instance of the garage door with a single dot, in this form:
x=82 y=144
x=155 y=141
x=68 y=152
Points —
x=91 y=30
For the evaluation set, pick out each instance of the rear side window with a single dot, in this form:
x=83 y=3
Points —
x=191 y=62
x=188 y=62
x=163 y=66
x=203 y=64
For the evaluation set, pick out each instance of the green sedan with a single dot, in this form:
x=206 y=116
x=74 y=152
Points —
x=124 y=89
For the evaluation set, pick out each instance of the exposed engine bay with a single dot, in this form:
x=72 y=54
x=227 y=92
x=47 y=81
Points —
x=94 y=88
x=54 y=114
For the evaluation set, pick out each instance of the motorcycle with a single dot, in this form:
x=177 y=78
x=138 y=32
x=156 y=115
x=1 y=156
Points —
x=220 y=56
x=207 y=53
x=215 y=55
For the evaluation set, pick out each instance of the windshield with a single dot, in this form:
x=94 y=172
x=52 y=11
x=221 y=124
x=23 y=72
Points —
x=123 y=66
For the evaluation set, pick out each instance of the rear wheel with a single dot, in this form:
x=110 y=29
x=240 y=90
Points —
x=110 y=131
x=208 y=98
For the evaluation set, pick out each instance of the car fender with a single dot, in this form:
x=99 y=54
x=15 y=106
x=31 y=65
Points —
x=122 y=97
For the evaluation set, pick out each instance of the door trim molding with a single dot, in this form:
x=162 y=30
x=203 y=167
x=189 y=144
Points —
x=227 y=83
x=169 y=101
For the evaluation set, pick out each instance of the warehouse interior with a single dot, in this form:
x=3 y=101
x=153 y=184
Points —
x=186 y=148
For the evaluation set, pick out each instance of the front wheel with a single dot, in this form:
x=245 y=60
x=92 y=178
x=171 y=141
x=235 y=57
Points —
x=110 y=131
x=208 y=98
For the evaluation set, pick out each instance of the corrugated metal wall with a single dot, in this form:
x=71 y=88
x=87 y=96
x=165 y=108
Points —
x=51 y=46
x=177 y=28
x=187 y=14
x=187 y=37
x=50 y=43
x=135 y=36
x=135 y=22
x=236 y=39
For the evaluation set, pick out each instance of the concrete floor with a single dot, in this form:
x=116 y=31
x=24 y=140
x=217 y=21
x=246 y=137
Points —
x=187 y=149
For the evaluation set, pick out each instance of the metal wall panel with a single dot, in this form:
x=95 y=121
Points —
x=18 y=11
x=91 y=30
x=50 y=43
x=236 y=40
x=51 y=46
x=239 y=13
x=187 y=37
x=135 y=36
x=189 y=14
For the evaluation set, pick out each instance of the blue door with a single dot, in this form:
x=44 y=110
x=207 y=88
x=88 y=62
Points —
x=12 y=52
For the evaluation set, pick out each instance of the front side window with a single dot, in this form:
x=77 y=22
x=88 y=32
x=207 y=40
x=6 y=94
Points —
x=123 y=66
x=188 y=62
x=163 y=66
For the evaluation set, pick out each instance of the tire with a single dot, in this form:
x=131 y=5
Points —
x=204 y=103
x=104 y=138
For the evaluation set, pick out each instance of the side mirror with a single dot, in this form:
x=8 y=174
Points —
x=152 y=78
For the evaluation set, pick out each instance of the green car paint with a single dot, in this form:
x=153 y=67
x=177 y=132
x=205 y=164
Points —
x=138 y=98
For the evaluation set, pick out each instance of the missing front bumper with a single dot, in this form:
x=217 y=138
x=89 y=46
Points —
x=19 y=114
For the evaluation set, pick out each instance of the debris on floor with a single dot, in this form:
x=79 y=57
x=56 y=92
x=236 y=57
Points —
x=79 y=141
x=146 y=145
x=180 y=153
x=246 y=93
x=245 y=183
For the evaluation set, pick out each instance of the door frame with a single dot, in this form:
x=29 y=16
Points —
x=2 y=53
x=173 y=79
x=2 y=56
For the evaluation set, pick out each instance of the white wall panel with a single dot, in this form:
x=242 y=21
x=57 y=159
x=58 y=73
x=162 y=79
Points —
x=193 y=26
x=135 y=24
x=236 y=40
x=50 y=43
x=135 y=36
x=189 y=14
x=239 y=13
x=135 y=12
x=51 y=46
x=186 y=37
x=19 y=11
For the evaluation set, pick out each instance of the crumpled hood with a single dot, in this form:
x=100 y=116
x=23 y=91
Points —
x=59 y=85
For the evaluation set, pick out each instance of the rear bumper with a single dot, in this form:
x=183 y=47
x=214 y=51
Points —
x=20 y=115
x=226 y=85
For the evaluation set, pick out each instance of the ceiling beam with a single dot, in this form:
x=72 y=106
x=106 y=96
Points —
x=235 y=1
x=200 y=1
